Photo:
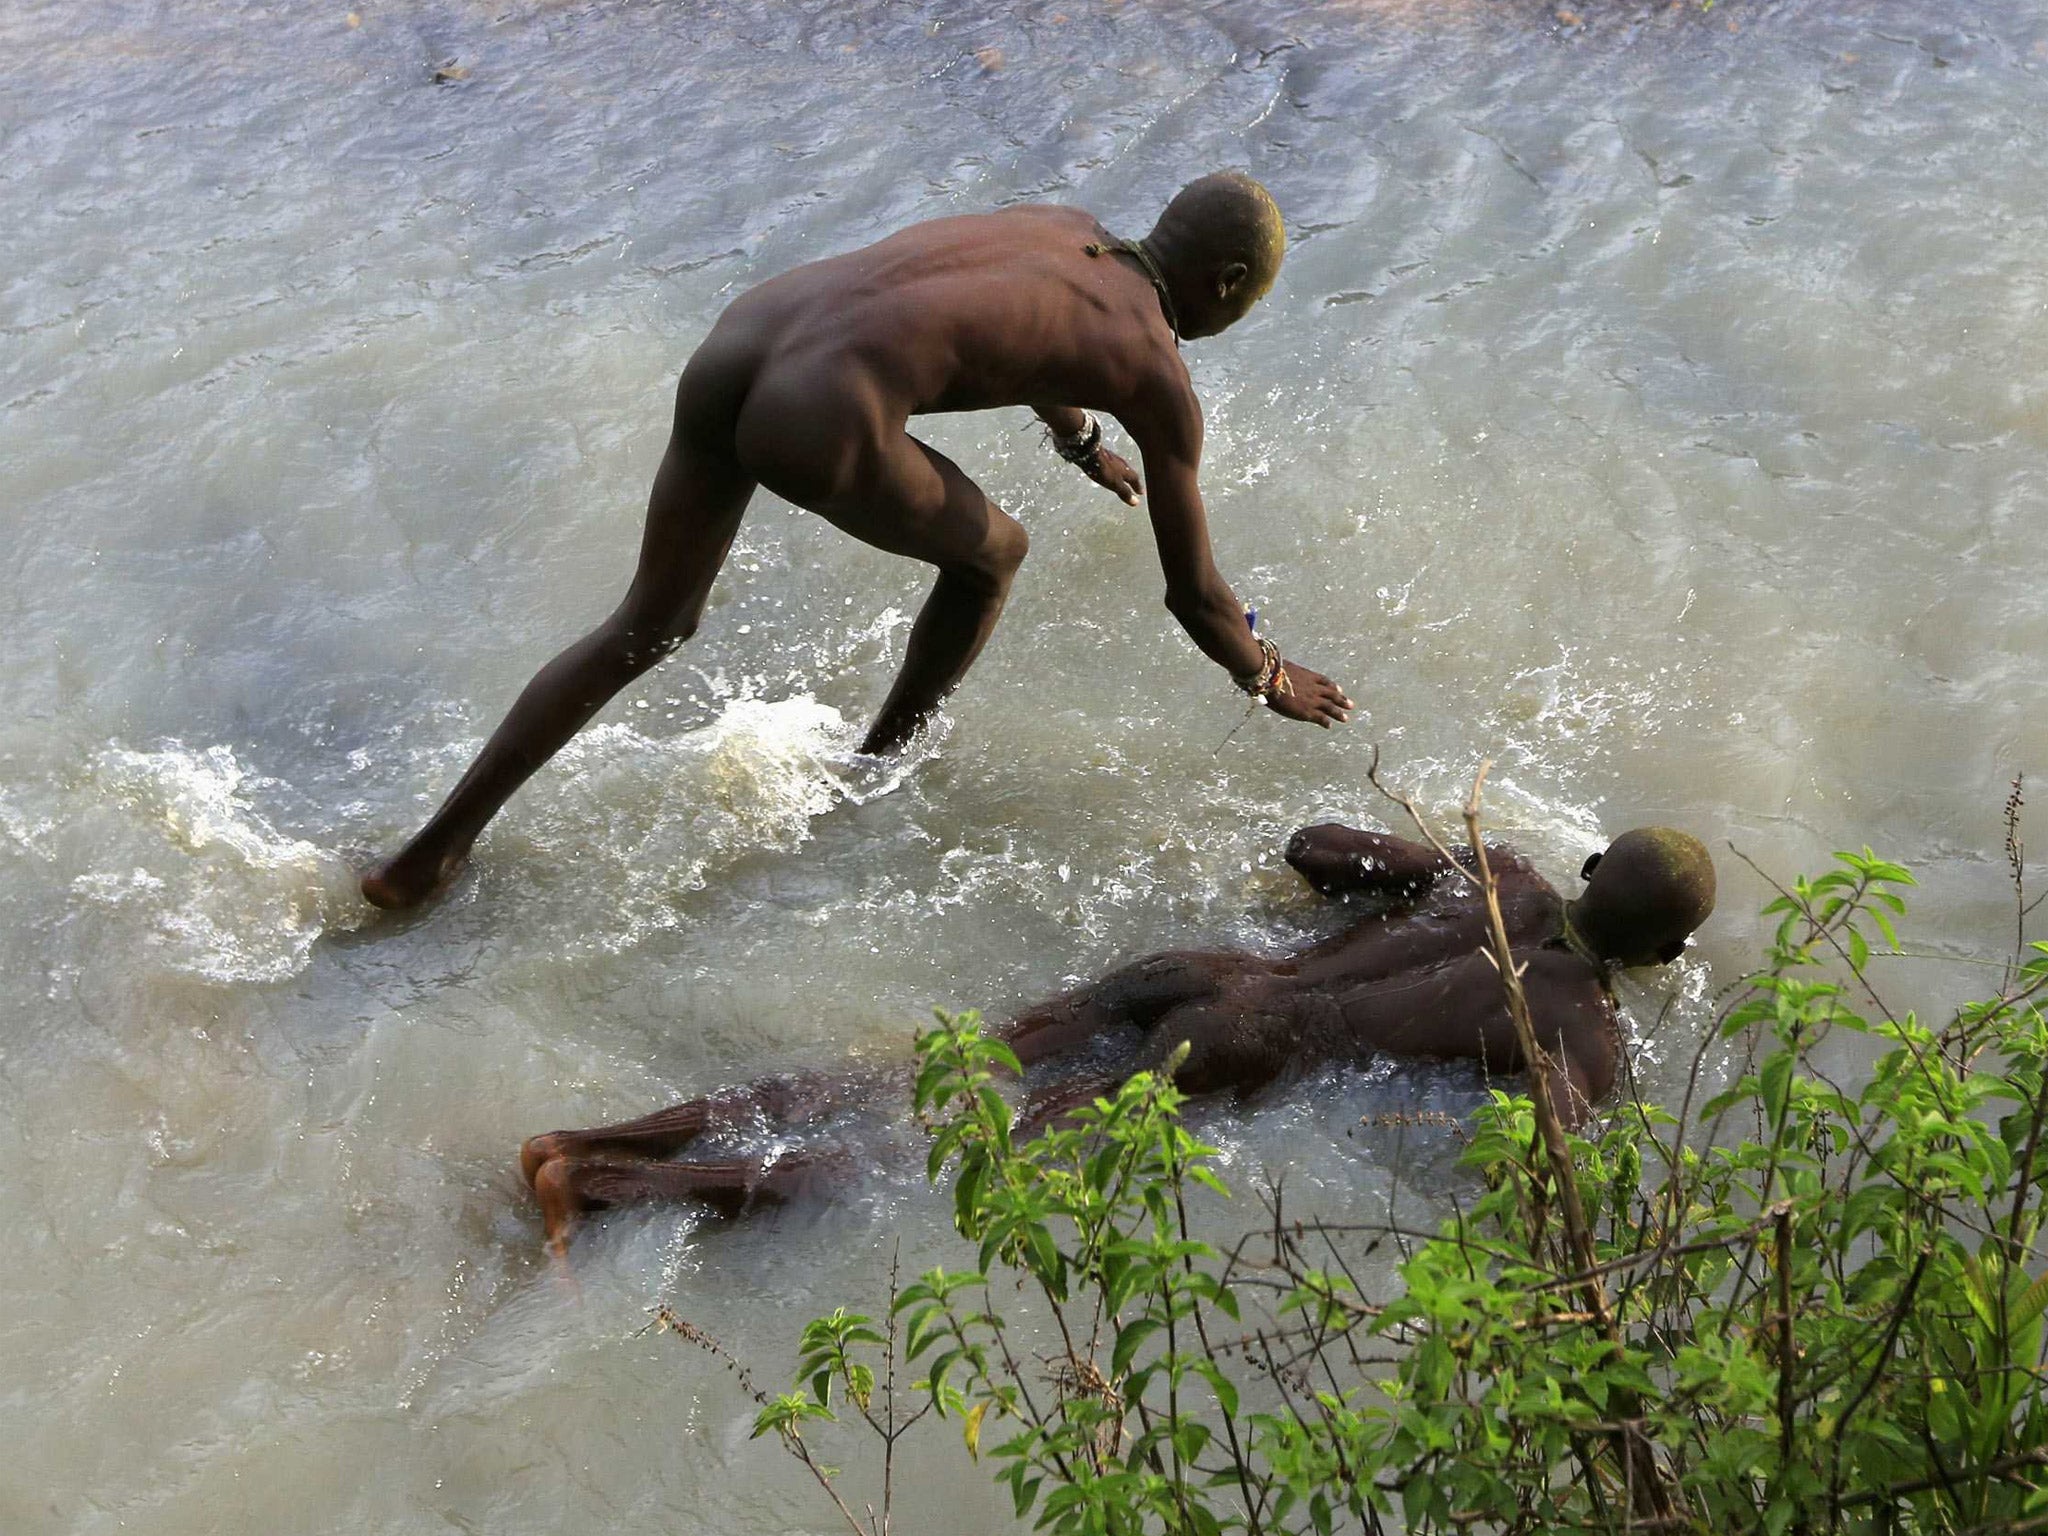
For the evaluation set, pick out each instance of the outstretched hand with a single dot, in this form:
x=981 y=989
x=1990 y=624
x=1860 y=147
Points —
x=1311 y=697
x=1114 y=473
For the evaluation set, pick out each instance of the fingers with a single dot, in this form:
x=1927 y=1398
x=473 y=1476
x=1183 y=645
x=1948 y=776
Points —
x=1313 y=698
x=1132 y=487
x=1115 y=474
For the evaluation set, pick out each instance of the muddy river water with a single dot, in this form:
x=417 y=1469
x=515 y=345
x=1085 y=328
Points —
x=1655 y=401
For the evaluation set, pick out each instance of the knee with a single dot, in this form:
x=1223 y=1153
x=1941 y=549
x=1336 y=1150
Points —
x=994 y=565
x=1011 y=546
x=1594 y=1065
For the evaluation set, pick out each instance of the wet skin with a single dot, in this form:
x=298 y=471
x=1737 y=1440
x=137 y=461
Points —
x=805 y=385
x=1406 y=977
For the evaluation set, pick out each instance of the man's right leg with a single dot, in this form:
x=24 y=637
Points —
x=699 y=495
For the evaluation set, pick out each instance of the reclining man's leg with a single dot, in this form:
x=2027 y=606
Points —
x=692 y=516
x=568 y=1187
x=576 y=1171
x=780 y=1103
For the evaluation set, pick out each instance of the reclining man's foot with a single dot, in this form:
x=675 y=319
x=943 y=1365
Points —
x=408 y=880
x=562 y=1203
x=572 y=1183
x=661 y=1134
x=536 y=1152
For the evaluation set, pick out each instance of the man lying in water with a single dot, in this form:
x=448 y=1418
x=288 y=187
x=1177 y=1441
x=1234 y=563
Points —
x=1408 y=976
x=805 y=385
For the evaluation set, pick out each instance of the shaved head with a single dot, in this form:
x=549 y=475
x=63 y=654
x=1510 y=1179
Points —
x=1645 y=895
x=1220 y=242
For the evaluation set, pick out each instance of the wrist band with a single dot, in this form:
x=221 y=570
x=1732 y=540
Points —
x=1271 y=678
x=1083 y=446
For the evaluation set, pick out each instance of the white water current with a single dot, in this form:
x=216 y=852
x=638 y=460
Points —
x=1655 y=400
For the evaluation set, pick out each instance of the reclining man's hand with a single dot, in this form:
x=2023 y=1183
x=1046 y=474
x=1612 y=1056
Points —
x=1312 y=697
x=1114 y=473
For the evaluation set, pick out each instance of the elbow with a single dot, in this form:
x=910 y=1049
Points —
x=1586 y=1069
x=1301 y=848
x=1185 y=604
x=1198 y=595
x=1308 y=842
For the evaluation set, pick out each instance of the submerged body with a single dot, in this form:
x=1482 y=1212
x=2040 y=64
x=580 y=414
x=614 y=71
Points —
x=806 y=385
x=1408 y=977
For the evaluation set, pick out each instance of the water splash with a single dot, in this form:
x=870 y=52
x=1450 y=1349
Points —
x=648 y=820
x=217 y=891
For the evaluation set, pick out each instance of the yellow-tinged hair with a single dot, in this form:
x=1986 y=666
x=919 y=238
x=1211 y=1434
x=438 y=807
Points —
x=1222 y=218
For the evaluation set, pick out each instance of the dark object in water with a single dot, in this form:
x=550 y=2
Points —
x=1410 y=976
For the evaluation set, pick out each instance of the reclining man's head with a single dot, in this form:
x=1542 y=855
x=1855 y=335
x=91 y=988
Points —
x=1219 y=244
x=1644 y=896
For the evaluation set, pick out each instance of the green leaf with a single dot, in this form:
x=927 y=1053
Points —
x=1219 y=1383
x=2030 y=1302
x=1128 y=1338
x=1774 y=1085
x=1208 y=1180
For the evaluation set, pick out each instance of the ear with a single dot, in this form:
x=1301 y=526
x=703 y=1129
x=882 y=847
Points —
x=1671 y=951
x=1229 y=278
x=1591 y=864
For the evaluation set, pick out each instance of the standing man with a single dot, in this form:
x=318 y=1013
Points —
x=806 y=384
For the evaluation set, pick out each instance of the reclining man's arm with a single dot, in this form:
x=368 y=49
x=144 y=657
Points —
x=1343 y=861
x=1168 y=431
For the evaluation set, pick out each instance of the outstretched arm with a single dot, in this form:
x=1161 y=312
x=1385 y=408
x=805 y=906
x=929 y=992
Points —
x=1168 y=429
x=1341 y=861
x=1072 y=431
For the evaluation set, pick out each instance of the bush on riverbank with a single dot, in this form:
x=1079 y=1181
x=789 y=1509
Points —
x=1800 y=1309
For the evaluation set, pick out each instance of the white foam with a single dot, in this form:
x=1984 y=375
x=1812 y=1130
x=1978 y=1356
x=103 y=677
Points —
x=218 y=891
x=649 y=819
x=28 y=833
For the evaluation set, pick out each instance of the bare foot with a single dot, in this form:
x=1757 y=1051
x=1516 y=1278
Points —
x=571 y=1183
x=536 y=1152
x=560 y=1203
x=407 y=880
x=659 y=1135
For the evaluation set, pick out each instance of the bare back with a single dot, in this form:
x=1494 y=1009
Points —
x=964 y=314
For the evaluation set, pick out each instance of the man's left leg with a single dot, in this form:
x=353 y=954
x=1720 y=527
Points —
x=905 y=498
x=693 y=514
x=977 y=547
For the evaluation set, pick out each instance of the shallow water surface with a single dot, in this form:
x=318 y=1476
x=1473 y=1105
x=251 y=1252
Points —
x=1653 y=404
